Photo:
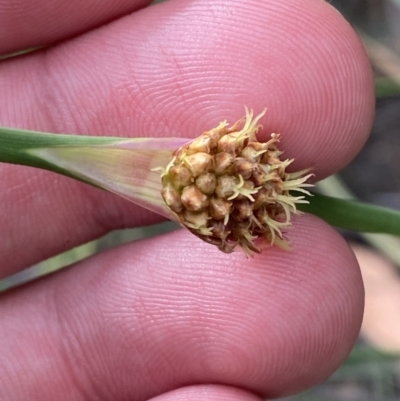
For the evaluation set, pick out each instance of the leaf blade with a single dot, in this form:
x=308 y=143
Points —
x=353 y=215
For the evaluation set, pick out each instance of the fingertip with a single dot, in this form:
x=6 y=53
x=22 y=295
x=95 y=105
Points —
x=305 y=305
x=176 y=311
x=312 y=295
x=211 y=392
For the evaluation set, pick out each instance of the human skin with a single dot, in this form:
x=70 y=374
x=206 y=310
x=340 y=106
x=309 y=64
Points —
x=172 y=317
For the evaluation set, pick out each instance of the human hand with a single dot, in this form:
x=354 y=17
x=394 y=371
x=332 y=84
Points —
x=172 y=317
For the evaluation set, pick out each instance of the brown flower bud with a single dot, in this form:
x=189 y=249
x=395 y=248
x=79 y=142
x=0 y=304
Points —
x=247 y=191
x=180 y=176
x=261 y=198
x=206 y=183
x=193 y=199
x=219 y=229
x=243 y=167
x=262 y=174
x=271 y=157
x=243 y=209
x=172 y=198
x=223 y=163
x=198 y=221
x=228 y=144
x=199 y=163
x=253 y=151
x=206 y=143
x=220 y=209
x=226 y=185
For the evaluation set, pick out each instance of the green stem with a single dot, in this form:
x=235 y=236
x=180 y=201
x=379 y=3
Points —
x=354 y=215
x=15 y=146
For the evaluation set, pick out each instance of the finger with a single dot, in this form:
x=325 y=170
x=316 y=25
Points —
x=318 y=92
x=152 y=317
x=209 y=392
x=27 y=24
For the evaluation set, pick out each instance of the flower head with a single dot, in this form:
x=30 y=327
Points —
x=225 y=186
x=229 y=189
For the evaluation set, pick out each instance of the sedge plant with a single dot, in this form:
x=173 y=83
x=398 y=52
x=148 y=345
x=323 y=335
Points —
x=224 y=186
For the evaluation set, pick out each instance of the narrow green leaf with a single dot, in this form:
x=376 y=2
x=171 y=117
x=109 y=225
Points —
x=353 y=215
x=124 y=166
x=125 y=172
x=15 y=146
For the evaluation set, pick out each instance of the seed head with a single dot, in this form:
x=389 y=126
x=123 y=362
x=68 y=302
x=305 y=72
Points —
x=229 y=189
